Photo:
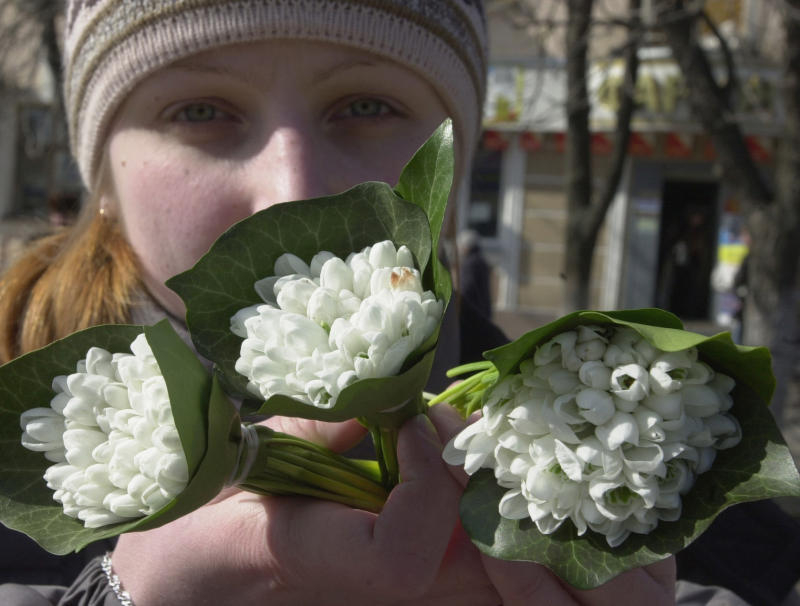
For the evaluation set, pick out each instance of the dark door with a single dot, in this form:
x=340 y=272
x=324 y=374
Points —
x=687 y=247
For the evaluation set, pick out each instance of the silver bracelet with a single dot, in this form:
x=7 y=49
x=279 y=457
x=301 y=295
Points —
x=113 y=581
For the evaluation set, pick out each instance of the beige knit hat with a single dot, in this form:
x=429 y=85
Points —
x=111 y=45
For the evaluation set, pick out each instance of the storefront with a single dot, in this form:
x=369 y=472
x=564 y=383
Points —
x=673 y=236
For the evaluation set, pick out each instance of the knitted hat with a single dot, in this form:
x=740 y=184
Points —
x=111 y=45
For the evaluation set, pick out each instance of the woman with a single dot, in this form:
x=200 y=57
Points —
x=188 y=115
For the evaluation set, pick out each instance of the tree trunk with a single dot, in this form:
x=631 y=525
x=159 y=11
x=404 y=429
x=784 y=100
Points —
x=587 y=212
x=773 y=303
x=773 y=219
x=577 y=263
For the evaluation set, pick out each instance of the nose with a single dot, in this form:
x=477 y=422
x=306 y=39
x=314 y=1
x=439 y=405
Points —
x=291 y=165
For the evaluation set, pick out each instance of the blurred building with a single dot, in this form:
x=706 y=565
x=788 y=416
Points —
x=36 y=172
x=674 y=222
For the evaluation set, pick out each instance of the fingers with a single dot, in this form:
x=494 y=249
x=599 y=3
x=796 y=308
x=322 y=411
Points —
x=664 y=573
x=425 y=502
x=525 y=583
x=447 y=420
x=653 y=585
x=337 y=437
x=400 y=550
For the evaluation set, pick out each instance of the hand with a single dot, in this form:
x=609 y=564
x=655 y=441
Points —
x=524 y=583
x=243 y=548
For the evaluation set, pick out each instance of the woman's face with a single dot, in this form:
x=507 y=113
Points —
x=218 y=136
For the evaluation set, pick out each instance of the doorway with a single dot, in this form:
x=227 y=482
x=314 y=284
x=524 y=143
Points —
x=687 y=247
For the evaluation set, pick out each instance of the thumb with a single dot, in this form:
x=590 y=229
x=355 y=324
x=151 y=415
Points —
x=337 y=437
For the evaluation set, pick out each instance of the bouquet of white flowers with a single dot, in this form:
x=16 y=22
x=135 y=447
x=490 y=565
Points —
x=330 y=308
x=136 y=434
x=611 y=440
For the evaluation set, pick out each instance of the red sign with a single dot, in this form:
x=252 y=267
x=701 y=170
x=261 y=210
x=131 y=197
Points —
x=678 y=145
x=494 y=140
x=530 y=142
x=639 y=145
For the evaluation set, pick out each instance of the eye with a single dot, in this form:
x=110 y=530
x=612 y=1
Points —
x=365 y=108
x=200 y=112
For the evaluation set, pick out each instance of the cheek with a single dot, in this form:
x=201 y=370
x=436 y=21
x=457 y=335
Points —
x=172 y=212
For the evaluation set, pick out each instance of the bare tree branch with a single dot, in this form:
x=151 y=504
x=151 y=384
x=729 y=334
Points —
x=731 y=80
x=622 y=135
x=710 y=103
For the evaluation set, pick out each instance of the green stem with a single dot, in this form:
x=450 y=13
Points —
x=280 y=464
x=278 y=488
x=306 y=477
x=325 y=471
x=469 y=367
x=384 y=428
x=466 y=395
x=386 y=449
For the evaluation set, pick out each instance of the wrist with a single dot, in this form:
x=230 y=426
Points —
x=114 y=582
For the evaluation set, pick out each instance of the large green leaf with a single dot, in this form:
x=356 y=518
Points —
x=426 y=181
x=27 y=505
x=759 y=467
x=428 y=177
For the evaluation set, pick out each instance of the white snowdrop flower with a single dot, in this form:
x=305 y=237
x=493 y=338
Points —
x=668 y=371
x=723 y=385
x=528 y=419
x=514 y=505
x=335 y=275
x=557 y=348
x=329 y=323
x=288 y=264
x=596 y=405
x=563 y=381
x=616 y=356
x=668 y=406
x=630 y=382
x=601 y=429
x=43 y=430
x=620 y=429
x=725 y=429
x=293 y=295
x=472 y=449
x=111 y=433
x=590 y=350
x=650 y=425
x=595 y=374
x=700 y=400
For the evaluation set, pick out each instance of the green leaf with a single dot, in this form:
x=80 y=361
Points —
x=27 y=505
x=428 y=177
x=507 y=357
x=759 y=467
x=222 y=282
